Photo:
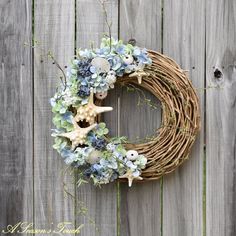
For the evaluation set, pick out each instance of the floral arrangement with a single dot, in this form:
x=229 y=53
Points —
x=82 y=142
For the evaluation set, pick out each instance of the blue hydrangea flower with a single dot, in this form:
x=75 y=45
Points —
x=110 y=163
x=68 y=116
x=103 y=51
x=120 y=50
x=68 y=155
x=99 y=143
x=84 y=91
x=84 y=68
x=86 y=81
x=114 y=176
x=86 y=53
x=141 y=55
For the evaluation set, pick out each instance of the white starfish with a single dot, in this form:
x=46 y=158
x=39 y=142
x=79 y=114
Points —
x=89 y=111
x=129 y=175
x=139 y=74
x=78 y=135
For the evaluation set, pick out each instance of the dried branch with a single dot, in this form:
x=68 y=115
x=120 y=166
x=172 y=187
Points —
x=109 y=25
x=50 y=56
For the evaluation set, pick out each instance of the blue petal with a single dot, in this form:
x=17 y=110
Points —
x=68 y=116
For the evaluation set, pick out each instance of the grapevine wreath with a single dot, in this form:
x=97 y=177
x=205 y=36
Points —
x=82 y=139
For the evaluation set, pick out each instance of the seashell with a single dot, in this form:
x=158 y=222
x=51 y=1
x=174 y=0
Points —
x=129 y=175
x=78 y=135
x=101 y=95
x=94 y=157
x=139 y=74
x=101 y=64
x=90 y=111
x=132 y=155
x=111 y=78
x=128 y=59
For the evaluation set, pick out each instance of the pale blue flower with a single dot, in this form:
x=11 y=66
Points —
x=131 y=165
x=120 y=50
x=52 y=102
x=68 y=116
x=68 y=155
x=136 y=173
x=118 y=155
x=111 y=147
x=86 y=53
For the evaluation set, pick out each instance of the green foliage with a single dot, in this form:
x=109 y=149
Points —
x=101 y=130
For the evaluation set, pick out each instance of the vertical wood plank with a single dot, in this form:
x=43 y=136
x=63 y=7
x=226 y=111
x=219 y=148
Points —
x=184 y=41
x=90 y=22
x=16 y=146
x=101 y=203
x=140 y=205
x=54 y=29
x=221 y=118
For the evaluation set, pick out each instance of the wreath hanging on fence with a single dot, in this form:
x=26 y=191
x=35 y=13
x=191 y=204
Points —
x=82 y=139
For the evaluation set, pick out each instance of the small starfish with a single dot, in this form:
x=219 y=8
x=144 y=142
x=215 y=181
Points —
x=139 y=74
x=89 y=111
x=129 y=175
x=78 y=135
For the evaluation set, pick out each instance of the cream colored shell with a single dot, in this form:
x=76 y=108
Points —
x=129 y=175
x=139 y=74
x=89 y=111
x=78 y=135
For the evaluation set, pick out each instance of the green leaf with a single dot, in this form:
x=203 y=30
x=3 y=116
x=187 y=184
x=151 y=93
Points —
x=105 y=131
x=102 y=125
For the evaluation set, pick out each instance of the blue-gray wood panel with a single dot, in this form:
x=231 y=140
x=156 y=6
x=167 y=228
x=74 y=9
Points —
x=16 y=116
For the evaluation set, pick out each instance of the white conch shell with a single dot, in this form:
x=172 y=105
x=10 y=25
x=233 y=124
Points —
x=78 y=135
x=89 y=111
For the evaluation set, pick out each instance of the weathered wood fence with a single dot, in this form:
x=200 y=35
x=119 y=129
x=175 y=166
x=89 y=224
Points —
x=199 y=199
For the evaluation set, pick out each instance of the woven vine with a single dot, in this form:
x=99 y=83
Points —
x=180 y=116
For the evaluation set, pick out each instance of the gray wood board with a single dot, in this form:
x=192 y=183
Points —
x=140 y=205
x=221 y=118
x=101 y=203
x=31 y=177
x=184 y=41
x=54 y=30
x=16 y=143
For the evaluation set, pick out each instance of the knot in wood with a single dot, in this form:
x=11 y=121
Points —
x=217 y=73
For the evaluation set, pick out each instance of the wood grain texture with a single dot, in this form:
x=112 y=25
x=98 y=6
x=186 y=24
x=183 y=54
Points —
x=54 y=30
x=16 y=143
x=31 y=171
x=90 y=21
x=221 y=118
x=184 y=41
x=101 y=203
x=140 y=206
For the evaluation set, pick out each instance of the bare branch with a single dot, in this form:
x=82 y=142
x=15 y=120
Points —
x=109 y=25
x=50 y=56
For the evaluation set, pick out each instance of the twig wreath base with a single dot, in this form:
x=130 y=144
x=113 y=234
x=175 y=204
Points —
x=180 y=116
x=82 y=139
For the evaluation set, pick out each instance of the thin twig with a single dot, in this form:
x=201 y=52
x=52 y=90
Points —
x=49 y=55
x=59 y=67
x=109 y=25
